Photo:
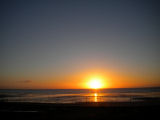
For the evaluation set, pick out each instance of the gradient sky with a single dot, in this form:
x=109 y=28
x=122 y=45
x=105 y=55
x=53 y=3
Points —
x=57 y=43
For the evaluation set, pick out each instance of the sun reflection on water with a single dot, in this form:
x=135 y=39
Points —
x=95 y=97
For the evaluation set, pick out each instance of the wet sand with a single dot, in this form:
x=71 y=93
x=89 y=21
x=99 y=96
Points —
x=80 y=111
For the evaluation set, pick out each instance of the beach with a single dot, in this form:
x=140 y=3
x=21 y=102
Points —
x=80 y=111
x=80 y=104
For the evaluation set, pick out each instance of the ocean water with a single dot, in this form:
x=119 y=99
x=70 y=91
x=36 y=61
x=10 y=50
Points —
x=80 y=95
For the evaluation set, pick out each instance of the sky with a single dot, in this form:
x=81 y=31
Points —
x=54 y=44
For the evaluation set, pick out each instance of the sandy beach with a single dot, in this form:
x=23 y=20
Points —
x=107 y=110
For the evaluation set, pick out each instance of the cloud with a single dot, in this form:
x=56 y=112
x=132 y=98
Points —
x=27 y=81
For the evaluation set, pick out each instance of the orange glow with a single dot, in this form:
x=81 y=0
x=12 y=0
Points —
x=96 y=83
x=95 y=97
x=86 y=79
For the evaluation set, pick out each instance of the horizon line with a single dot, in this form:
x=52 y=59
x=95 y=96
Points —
x=73 y=88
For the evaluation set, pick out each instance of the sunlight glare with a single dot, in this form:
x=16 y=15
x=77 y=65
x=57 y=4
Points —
x=95 y=83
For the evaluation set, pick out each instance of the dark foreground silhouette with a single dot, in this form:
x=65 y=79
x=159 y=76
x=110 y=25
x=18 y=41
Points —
x=80 y=111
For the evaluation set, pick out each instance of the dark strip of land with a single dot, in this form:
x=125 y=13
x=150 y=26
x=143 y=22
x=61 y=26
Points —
x=80 y=111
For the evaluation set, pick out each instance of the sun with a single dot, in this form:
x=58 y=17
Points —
x=95 y=83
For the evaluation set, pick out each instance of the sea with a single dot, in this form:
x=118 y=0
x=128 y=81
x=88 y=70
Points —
x=79 y=95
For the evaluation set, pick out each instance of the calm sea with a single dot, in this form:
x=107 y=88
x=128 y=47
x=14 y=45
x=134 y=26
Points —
x=80 y=95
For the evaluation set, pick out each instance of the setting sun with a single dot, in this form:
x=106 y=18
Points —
x=95 y=83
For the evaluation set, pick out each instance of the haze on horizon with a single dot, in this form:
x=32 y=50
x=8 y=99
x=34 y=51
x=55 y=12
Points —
x=60 y=43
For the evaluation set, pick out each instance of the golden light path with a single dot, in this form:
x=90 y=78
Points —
x=96 y=83
x=95 y=97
